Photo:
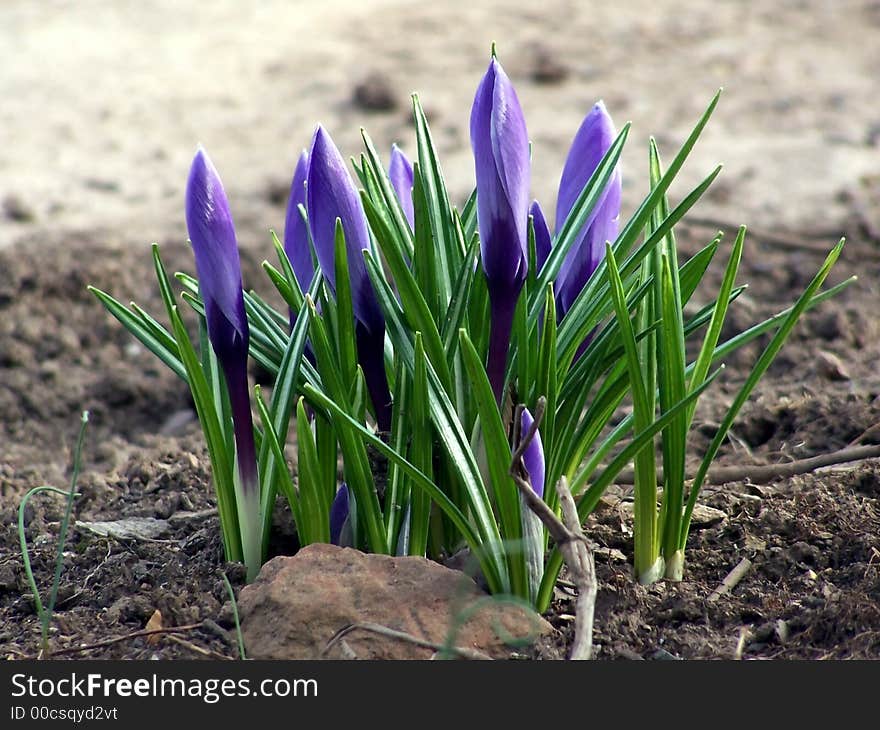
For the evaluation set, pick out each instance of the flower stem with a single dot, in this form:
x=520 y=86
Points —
x=246 y=478
x=502 y=305
x=371 y=354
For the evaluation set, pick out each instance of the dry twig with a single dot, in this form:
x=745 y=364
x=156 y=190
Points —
x=119 y=639
x=569 y=538
x=766 y=473
x=731 y=580
x=198 y=649
x=401 y=636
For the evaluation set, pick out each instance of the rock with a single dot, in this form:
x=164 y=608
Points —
x=830 y=366
x=375 y=93
x=8 y=579
x=703 y=516
x=131 y=528
x=15 y=209
x=547 y=68
x=297 y=604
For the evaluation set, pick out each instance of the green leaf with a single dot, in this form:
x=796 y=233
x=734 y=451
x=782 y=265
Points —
x=710 y=341
x=498 y=458
x=359 y=477
x=222 y=463
x=271 y=441
x=593 y=301
x=574 y=223
x=488 y=561
x=415 y=309
x=387 y=195
x=143 y=331
x=755 y=375
x=589 y=499
x=421 y=451
x=645 y=512
x=449 y=249
x=313 y=494
x=346 y=348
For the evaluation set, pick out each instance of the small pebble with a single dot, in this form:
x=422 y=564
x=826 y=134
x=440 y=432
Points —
x=17 y=210
x=547 y=68
x=375 y=93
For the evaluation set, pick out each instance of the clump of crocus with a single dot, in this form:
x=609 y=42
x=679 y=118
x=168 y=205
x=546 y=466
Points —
x=211 y=230
x=400 y=172
x=501 y=158
x=331 y=196
x=592 y=141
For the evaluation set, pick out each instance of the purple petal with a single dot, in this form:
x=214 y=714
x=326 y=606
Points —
x=296 y=231
x=338 y=513
x=400 y=171
x=533 y=458
x=332 y=195
x=209 y=222
x=589 y=146
x=543 y=242
x=211 y=231
x=592 y=141
x=582 y=261
x=371 y=356
x=501 y=160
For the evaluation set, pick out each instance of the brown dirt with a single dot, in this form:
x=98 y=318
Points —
x=798 y=153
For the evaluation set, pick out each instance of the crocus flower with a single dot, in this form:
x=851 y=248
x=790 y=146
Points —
x=331 y=196
x=501 y=156
x=533 y=458
x=209 y=222
x=296 y=231
x=590 y=144
x=400 y=172
x=543 y=242
x=338 y=514
x=533 y=530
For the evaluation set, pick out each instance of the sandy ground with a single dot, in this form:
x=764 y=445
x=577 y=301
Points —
x=104 y=102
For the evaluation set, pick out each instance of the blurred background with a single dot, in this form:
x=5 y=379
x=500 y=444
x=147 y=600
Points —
x=104 y=101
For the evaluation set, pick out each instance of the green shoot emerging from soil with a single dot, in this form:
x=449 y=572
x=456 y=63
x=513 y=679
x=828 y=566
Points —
x=45 y=611
x=417 y=338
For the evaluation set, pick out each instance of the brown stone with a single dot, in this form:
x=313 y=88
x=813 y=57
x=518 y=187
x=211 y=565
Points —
x=297 y=604
x=375 y=93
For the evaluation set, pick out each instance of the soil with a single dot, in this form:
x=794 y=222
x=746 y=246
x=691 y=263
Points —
x=98 y=174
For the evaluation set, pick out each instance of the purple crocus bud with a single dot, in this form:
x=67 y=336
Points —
x=543 y=242
x=533 y=458
x=296 y=231
x=331 y=196
x=501 y=156
x=338 y=514
x=595 y=136
x=400 y=172
x=209 y=222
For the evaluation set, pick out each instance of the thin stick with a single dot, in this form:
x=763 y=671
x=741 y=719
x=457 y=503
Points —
x=402 y=636
x=731 y=580
x=569 y=538
x=581 y=557
x=133 y=635
x=765 y=473
x=198 y=649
